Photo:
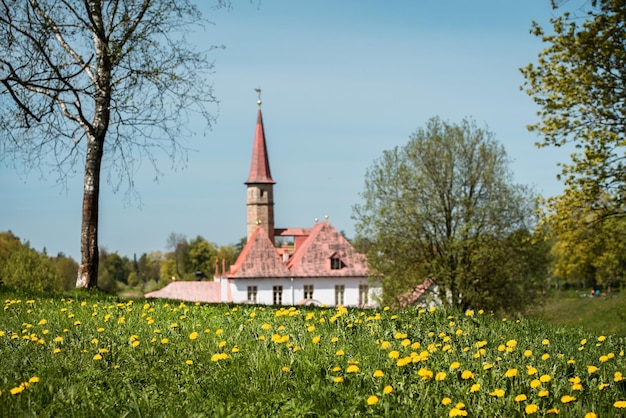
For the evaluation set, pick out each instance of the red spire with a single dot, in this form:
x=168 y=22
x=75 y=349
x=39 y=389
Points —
x=260 y=166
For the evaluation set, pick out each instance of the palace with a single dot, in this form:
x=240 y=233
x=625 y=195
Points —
x=283 y=266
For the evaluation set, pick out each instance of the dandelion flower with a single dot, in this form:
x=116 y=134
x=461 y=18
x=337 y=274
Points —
x=33 y=379
x=543 y=393
x=528 y=353
x=372 y=400
x=97 y=357
x=394 y=354
x=531 y=370
x=545 y=378
x=510 y=373
x=387 y=389
x=620 y=404
x=535 y=383
x=455 y=365
x=190 y=362
x=440 y=376
x=545 y=356
x=353 y=368
x=531 y=408
x=590 y=415
x=193 y=335
x=16 y=390
x=618 y=377
x=520 y=398
x=446 y=401
x=340 y=353
x=567 y=399
x=338 y=379
x=379 y=373
x=591 y=369
x=467 y=375
x=475 y=388
x=285 y=368
x=498 y=393
x=553 y=411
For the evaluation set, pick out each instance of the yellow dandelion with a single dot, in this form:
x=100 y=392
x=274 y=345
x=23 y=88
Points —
x=455 y=365
x=193 y=335
x=97 y=357
x=475 y=388
x=567 y=399
x=165 y=340
x=545 y=378
x=340 y=353
x=446 y=401
x=553 y=411
x=531 y=370
x=338 y=379
x=372 y=400
x=620 y=404
x=618 y=377
x=543 y=393
x=531 y=408
x=545 y=356
x=467 y=375
x=510 y=373
x=316 y=339
x=285 y=368
x=394 y=354
x=387 y=389
x=135 y=343
x=353 y=368
x=520 y=398
x=34 y=379
x=190 y=362
x=498 y=393
x=528 y=353
x=604 y=359
x=16 y=390
x=379 y=373
x=535 y=383
x=591 y=369
x=590 y=415
x=440 y=376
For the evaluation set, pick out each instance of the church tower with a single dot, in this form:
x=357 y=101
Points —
x=260 y=199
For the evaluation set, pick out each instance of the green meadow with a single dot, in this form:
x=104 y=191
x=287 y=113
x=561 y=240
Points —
x=86 y=354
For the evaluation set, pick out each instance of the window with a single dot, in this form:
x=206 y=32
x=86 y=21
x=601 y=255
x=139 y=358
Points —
x=335 y=263
x=363 y=291
x=278 y=295
x=252 y=290
x=339 y=290
x=308 y=291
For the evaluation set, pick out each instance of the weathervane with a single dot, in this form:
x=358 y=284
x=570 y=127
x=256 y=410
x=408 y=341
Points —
x=258 y=91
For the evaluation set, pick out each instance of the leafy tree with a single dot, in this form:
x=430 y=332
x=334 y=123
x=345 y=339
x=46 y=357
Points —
x=106 y=82
x=202 y=256
x=579 y=84
x=26 y=268
x=9 y=243
x=67 y=269
x=444 y=206
x=180 y=252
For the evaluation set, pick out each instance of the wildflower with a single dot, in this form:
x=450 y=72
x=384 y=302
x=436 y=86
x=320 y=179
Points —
x=528 y=353
x=511 y=373
x=475 y=388
x=379 y=373
x=285 y=368
x=425 y=374
x=535 y=383
x=440 y=376
x=394 y=354
x=372 y=400
x=498 y=393
x=531 y=370
x=591 y=369
x=193 y=335
x=601 y=338
x=455 y=365
x=387 y=389
x=601 y=386
x=520 y=398
x=316 y=339
x=545 y=357
x=531 y=408
x=165 y=340
x=56 y=350
x=135 y=343
x=467 y=375
x=446 y=401
x=590 y=415
x=604 y=359
x=553 y=411
x=487 y=366
x=219 y=331
x=567 y=399
x=34 y=379
x=384 y=345
x=404 y=361
x=190 y=362
x=340 y=353
x=16 y=390
x=620 y=404
x=543 y=393
x=338 y=379
x=545 y=378
x=353 y=368
x=545 y=342
x=617 y=377
x=97 y=357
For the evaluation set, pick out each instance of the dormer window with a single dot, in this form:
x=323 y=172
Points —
x=335 y=263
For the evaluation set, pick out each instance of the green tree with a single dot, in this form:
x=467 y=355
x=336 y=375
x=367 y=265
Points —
x=67 y=268
x=106 y=82
x=579 y=84
x=28 y=269
x=202 y=256
x=444 y=206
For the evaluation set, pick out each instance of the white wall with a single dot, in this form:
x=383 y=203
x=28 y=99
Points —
x=293 y=290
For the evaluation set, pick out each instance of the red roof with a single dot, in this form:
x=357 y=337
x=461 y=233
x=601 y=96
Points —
x=208 y=292
x=258 y=258
x=260 y=166
x=312 y=258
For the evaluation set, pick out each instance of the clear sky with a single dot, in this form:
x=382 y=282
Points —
x=341 y=82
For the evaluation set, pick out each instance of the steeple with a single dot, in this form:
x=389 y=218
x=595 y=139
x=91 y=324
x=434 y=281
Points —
x=260 y=185
x=260 y=166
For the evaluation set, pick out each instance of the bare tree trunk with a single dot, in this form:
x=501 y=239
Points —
x=88 y=270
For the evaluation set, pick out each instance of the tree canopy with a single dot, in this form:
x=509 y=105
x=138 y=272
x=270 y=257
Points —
x=444 y=206
x=579 y=84
x=104 y=85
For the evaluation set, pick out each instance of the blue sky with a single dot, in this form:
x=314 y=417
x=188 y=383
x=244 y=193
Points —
x=342 y=81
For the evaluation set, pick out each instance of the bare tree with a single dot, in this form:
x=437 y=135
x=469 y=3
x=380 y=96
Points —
x=110 y=83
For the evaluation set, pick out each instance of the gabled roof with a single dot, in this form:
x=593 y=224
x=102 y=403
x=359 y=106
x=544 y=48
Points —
x=312 y=259
x=209 y=292
x=258 y=259
x=260 y=165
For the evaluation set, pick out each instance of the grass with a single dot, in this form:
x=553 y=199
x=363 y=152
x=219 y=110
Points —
x=89 y=355
x=575 y=309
